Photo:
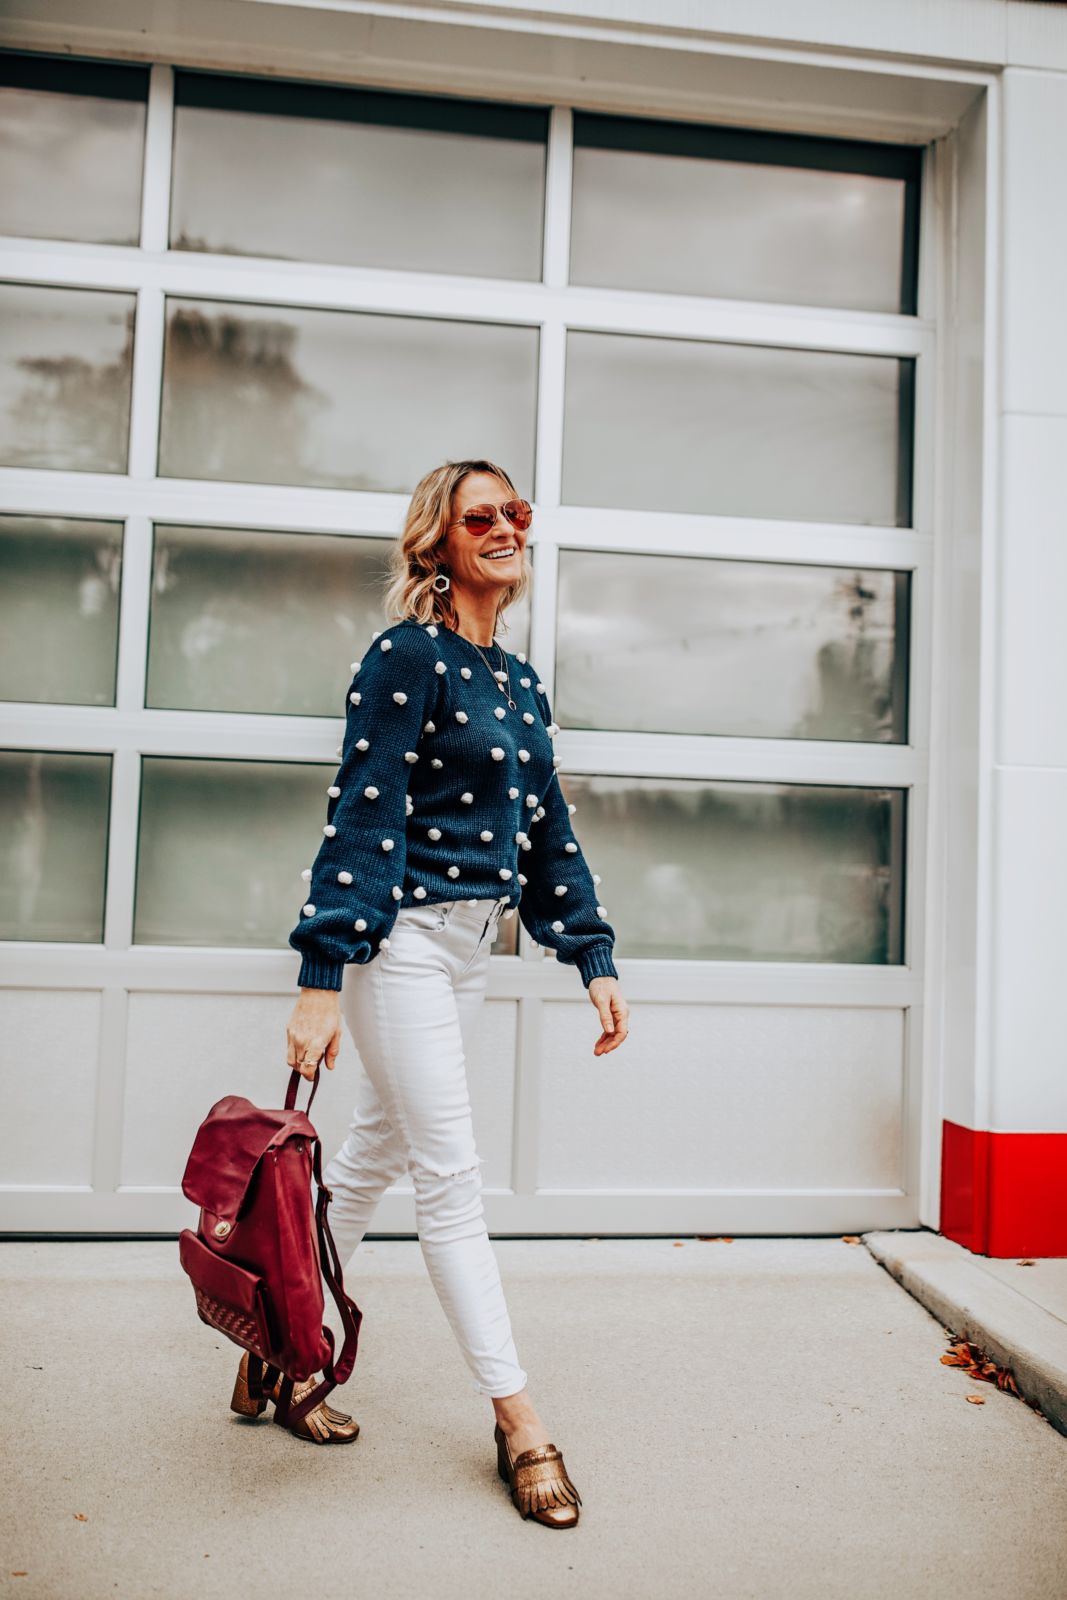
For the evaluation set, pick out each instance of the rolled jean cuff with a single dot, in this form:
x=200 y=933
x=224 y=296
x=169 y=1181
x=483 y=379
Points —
x=595 y=961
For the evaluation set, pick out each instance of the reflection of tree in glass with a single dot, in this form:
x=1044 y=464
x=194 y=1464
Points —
x=72 y=414
x=854 y=675
x=234 y=404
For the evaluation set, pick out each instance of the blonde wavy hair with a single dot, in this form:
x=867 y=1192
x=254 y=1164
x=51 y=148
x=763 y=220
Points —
x=413 y=561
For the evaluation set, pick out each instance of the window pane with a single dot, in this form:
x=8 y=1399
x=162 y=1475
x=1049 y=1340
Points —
x=717 y=871
x=678 y=644
x=251 y=621
x=222 y=845
x=65 y=378
x=53 y=845
x=689 y=209
x=59 y=609
x=341 y=400
x=736 y=430
x=367 y=177
x=71 y=149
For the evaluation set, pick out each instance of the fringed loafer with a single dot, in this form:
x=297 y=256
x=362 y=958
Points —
x=537 y=1478
x=323 y=1424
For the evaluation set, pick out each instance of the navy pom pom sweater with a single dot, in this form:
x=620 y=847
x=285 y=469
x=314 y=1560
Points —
x=446 y=793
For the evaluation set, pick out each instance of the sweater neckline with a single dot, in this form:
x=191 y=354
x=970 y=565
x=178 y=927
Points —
x=494 y=645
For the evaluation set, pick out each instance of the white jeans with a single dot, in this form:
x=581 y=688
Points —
x=413 y=1113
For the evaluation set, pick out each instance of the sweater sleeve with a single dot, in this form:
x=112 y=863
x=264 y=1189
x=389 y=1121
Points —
x=559 y=906
x=358 y=874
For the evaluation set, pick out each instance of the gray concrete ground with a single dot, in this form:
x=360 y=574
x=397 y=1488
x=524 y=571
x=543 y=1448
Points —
x=1016 y=1310
x=762 y=1420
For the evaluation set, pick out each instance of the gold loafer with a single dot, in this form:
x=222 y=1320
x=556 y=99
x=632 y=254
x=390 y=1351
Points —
x=539 y=1484
x=322 y=1425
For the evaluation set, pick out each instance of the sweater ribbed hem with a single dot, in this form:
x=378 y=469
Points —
x=315 y=973
x=595 y=962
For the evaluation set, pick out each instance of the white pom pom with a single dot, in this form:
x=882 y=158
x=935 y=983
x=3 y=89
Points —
x=400 y=697
x=440 y=666
x=601 y=911
x=344 y=877
x=371 y=792
x=398 y=893
x=386 y=644
x=464 y=672
x=572 y=808
x=466 y=797
x=431 y=629
x=505 y=873
x=410 y=756
x=387 y=844
x=461 y=716
x=519 y=656
x=539 y=813
x=408 y=806
x=553 y=728
x=596 y=877
x=557 y=761
x=527 y=844
x=333 y=791
x=497 y=753
x=359 y=924
x=500 y=676
x=376 y=635
x=435 y=833
x=499 y=713
x=308 y=910
x=355 y=697
x=557 y=926
x=525 y=682
x=362 y=744
x=436 y=762
x=522 y=880
x=561 y=888
x=355 y=665
x=472 y=902
x=527 y=716
x=453 y=872
x=383 y=944
x=306 y=874
x=419 y=893
x=540 y=688
x=513 y=793
x=524 y=755
x=486 y=835
x=570 y=847
x=531 y=800
x=429 y=727
x=520 y=837
x=329 y=830
x=339 y=750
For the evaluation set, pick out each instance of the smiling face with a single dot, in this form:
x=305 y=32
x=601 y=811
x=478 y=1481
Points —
x=477 y=562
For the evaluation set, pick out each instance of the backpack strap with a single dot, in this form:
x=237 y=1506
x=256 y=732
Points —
x=339 y=1370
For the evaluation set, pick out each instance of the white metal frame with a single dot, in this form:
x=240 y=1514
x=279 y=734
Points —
x=129 y=731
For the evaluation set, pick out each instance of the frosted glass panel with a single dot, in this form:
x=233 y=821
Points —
x=222 y=846
x=687 y=209
x=250 y=621
x=53 y=845
x=719 y=871
x=71 y=149
x=370 y=178
x=59 y=609
x=676 y=644
x=341 y=400
x=65 y=377
x=736 y=430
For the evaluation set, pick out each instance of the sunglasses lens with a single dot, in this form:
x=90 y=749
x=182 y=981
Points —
x=479 y=519
x=519 y=513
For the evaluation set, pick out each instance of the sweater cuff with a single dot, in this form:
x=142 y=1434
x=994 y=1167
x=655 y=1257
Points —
x=595 y=962
x=315 y=973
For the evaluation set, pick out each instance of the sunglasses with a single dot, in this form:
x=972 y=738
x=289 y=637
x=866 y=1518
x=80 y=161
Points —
x=479 y=519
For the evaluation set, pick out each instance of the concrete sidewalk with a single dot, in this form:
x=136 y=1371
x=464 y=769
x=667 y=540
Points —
x=762 y=1420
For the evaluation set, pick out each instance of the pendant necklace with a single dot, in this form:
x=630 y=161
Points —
x=501 y=677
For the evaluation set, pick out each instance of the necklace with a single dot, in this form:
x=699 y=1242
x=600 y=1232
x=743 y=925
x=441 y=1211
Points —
x=499 y=677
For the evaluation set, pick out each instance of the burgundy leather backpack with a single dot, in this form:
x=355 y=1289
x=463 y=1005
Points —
x=261 y=1250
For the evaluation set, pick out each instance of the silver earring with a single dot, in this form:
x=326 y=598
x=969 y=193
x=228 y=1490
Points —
x=440 y=585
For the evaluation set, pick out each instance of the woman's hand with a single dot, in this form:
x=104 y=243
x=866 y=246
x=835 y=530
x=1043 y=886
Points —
x=314 y=1030
x=614 y=1013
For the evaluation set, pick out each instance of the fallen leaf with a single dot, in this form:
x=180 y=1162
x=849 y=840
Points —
x=714 y=1238
x=20 y=1574
x=678 y=1244
x=851 y=1238
x=975 y=1399
x=79 y=1516
x=978 y=1365
x=1030 y=1263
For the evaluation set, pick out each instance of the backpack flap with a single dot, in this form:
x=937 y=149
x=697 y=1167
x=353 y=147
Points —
x=230 y=1143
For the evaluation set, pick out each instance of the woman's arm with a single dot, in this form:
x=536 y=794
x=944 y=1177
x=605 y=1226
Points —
x=358 y=872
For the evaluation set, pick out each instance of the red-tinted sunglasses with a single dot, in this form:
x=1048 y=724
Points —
x=479 y=519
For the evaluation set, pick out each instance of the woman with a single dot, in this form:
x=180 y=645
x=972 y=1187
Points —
x=445 y=815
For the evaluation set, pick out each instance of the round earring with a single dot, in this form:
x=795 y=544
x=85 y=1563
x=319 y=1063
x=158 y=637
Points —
x=437 y=582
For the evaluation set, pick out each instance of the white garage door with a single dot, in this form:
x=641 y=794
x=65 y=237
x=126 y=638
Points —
x=244 y=316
